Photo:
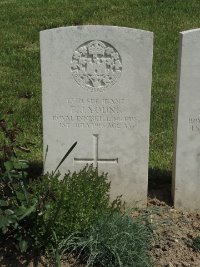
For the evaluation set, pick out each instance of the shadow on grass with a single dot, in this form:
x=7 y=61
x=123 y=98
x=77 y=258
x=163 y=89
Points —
x=160 y=185
x=35 y=169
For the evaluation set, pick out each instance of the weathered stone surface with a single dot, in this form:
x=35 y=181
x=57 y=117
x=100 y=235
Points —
x=186 y=173
x=96 y=84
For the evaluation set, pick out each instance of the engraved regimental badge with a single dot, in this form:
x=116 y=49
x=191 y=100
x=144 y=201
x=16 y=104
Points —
x=96 y=65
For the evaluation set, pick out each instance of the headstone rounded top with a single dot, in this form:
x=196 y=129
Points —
x=96 y=28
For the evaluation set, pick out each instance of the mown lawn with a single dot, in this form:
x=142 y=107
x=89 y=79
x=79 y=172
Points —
x=20 y=81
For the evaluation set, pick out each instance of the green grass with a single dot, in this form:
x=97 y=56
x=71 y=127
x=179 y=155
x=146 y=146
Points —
x=20 y=81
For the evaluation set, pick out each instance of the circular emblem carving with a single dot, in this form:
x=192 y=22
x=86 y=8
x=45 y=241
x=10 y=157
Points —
x=96 y=65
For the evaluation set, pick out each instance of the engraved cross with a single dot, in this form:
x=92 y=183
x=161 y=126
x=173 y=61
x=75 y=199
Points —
x=95 y=160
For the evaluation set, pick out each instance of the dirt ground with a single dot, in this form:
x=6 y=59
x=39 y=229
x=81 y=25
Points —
x=173 y=233
x=174 y=229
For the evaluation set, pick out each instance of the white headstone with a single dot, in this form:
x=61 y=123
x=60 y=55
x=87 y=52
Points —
x=186 y=171
x=96 y=84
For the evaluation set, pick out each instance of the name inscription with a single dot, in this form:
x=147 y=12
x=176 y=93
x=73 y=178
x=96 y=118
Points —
x=96 y=113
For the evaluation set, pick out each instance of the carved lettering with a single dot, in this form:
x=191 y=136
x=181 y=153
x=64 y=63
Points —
x=194 y=124
x=96 y=113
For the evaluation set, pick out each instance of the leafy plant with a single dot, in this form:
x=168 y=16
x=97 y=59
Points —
x=20 y=208
x=16 y=203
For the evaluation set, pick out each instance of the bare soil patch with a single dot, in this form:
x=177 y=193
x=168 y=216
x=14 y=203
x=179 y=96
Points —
x=173 y=235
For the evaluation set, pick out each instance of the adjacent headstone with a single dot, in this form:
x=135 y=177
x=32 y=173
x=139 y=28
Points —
x=186 y=173
x=96 y=84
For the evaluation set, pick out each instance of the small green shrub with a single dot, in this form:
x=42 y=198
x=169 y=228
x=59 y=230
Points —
x=39 y=214
x=73 y=203
x=196 y=243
